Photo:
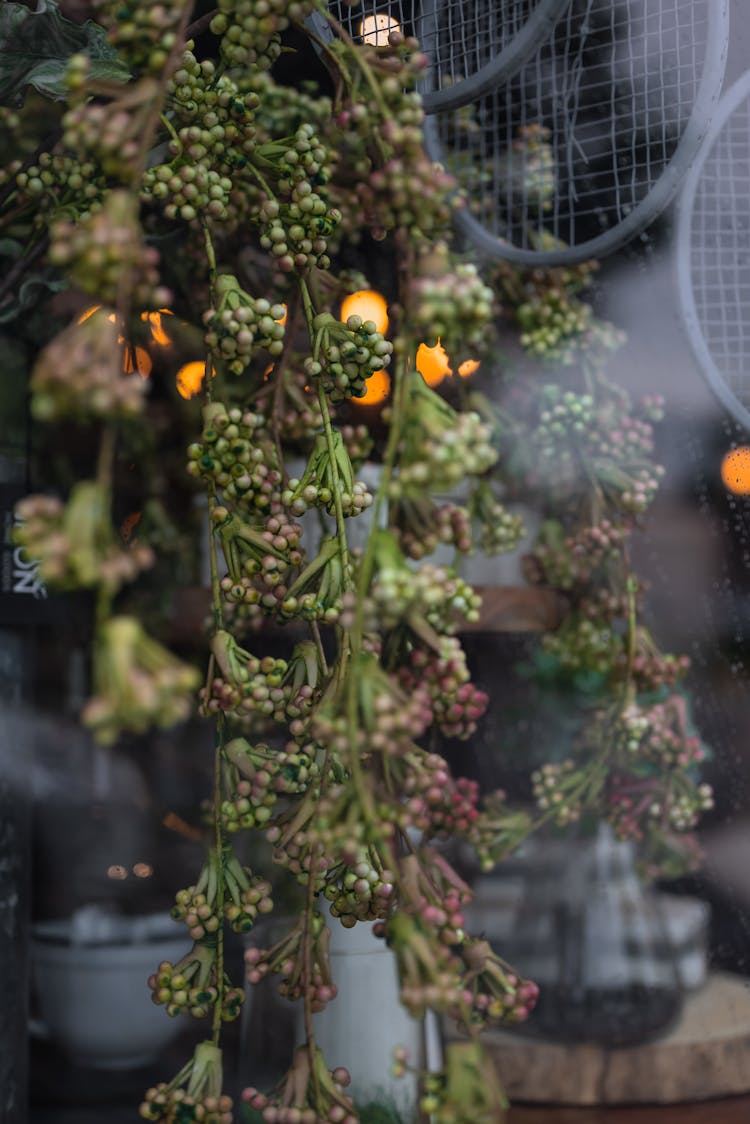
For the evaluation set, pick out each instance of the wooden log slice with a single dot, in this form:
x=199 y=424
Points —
x=707 y=1054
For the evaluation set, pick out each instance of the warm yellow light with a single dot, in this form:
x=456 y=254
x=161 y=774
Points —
x=433 y=363
x=189 y=378
x=143 y=870
x=368 y=304
x=735 y=470
x=117 y=872
x=157 y=329
x=468 y=367
x=376 y=29
x=136 y=359
x=378 y=389
x=282 y=320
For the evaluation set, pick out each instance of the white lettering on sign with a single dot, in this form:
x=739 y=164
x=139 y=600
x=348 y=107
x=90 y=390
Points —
x=26 y=573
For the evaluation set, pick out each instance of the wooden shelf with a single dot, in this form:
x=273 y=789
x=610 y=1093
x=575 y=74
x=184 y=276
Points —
x=505 y=609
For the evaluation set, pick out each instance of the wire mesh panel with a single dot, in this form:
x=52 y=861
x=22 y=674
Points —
x=713 y=253
x=472 y=44
x=588 y=142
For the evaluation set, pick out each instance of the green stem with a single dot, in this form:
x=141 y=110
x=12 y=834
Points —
x=219 y=843
x=328 y=430
x=171 y=130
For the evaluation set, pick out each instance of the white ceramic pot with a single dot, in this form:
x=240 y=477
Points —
x=94 y=1000
x=365 y=1021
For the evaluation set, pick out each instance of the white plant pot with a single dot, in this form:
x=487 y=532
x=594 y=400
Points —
x=365 y=1021
x=94 y=1000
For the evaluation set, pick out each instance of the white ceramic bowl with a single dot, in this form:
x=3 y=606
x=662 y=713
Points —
x=94 y=1000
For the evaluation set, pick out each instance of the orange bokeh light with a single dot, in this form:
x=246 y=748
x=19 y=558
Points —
x=368 y=304
x=433 y=363
x=136 y=359
x=468 y=367
x=189 y=378
x=378 y=389
x=735 y=470
x=90 y=312
x=157 y=329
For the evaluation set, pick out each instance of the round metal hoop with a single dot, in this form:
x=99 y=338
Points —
x=694 y=323
x=502 y=66
x=651 y=205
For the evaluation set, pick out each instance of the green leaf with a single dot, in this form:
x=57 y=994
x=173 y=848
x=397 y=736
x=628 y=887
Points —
x=35 y=48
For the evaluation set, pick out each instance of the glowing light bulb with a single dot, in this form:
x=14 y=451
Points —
x=368 y=304
x=376 y=29
x=433 y=363
x=468 y=367
x=378 y=389
x=735 y=470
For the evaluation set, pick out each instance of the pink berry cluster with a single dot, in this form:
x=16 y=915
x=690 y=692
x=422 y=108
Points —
x=287 y=960
x=381 y=154
x=310 y=1093
x=106 y=253
x=74 y=542
x=565 y=562
x=82 y=374
x=457 y=705
x=421 y=525
x=260 y=777
x=245 y=685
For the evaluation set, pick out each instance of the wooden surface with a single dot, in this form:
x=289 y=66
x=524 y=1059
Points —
x=735 y=1110
x=707 y=1054
x=504 y=609
x=516 y=609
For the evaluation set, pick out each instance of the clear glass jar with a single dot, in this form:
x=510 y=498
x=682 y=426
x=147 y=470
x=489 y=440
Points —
x=595 y=941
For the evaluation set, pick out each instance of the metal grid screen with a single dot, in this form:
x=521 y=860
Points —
x=461 y=37
x=719 y=254
x=569 y=147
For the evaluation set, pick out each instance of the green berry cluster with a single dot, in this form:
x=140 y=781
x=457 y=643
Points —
x=144 y=34
x=325 y=478
x=240 y=325
x=352 y=352
x=61 y=185
x=455 y=307
x=295 y=217
x=250 y=29
x=105 y=254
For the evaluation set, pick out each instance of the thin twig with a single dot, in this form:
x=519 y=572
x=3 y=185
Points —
x=37 y=251
x=197 y=27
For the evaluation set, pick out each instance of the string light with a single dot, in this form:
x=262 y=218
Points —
x=370 y=305
x=376 y=29
x=735 y=470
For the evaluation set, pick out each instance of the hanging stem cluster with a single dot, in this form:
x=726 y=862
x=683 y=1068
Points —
x=260 y=186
